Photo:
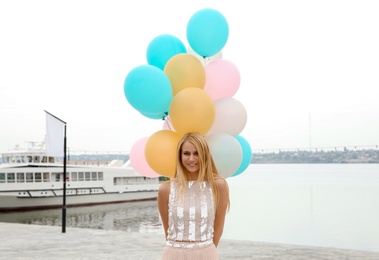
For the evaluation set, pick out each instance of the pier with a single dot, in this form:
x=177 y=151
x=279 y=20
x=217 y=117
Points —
x=21 y=241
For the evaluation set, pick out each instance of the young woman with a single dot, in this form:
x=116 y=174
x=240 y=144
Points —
x=193 y=204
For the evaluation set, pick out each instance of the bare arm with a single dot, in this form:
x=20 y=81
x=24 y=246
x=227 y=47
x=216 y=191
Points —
x=223 y=194
x=163 y=194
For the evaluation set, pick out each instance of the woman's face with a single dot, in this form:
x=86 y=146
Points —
x=190 y=158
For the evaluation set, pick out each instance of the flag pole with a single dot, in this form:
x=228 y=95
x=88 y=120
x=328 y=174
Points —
x=64 y=172
x=64 y=182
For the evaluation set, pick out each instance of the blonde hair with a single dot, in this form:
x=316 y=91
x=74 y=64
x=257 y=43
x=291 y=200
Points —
x=207 y=167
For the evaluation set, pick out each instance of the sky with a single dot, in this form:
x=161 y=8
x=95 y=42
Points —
x=309 y=69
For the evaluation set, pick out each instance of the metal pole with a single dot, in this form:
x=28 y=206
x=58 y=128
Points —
x=64 y=173
x=64 y=184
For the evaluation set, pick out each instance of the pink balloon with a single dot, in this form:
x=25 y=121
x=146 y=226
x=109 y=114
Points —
x=138 y=160
x=222 y=79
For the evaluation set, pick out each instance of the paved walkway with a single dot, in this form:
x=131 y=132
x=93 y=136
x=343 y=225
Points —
x=19 y=241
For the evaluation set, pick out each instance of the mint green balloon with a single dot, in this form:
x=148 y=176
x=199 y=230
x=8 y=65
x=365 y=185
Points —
x=162 y=48
x=207 y=32
x=148 y=90
x=246 y=155
x=155 y=116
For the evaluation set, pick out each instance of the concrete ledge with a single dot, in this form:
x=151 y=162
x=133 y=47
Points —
x=19 y=241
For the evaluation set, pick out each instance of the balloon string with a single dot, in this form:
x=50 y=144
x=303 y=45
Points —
x=206 y=60
x=168 y=125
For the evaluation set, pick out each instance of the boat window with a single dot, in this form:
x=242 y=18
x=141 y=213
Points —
x=44 y=159
x=74 y=176
x=2 y=177
x=88 y=176
x=20 y=177
x=29 y=177
x=46 y=177
x=100 y=176
x=36 y=159
x=57 y=177
x=5 y=159
x=29 y=159
x=81 y=176
x=51 y=159
x=122 y=180
x=38 y=176
x=94 y=176
x=10 y=177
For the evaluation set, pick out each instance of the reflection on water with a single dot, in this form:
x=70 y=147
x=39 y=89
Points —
x=131 y=217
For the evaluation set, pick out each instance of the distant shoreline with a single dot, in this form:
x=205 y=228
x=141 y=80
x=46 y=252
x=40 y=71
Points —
x=334 y=156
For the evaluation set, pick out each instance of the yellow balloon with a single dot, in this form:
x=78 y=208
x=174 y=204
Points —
x=160 y=152
x=185 y=70
x=192 y=110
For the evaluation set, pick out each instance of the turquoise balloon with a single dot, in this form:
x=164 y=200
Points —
x=155 y=116
x=148 y=90
x=162 y=48
x=246 y=155
x=207 y=32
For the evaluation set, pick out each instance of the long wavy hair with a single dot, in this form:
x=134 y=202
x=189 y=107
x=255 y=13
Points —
x=207 y=168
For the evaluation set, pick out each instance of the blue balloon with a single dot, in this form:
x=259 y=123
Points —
x=162 y=48
x=148 y=90
x=207 y=32
x=246 y=155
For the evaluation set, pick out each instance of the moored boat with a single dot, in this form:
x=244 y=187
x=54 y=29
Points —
x=32 y=180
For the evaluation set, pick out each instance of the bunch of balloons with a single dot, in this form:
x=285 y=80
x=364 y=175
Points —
x=191 y=89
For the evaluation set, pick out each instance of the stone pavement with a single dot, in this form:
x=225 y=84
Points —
x=20 y=241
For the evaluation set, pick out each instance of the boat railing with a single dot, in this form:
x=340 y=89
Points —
x=88 y=162
x=59 y=192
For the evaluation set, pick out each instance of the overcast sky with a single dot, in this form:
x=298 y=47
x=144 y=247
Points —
x=309 y=69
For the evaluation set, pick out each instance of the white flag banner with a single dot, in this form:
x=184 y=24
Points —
x=54 y=136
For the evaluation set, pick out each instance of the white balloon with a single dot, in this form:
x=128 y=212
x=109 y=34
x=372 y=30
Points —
x=230 y=117
x=226 y=152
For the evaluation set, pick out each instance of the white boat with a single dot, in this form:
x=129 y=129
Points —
x=31 y=180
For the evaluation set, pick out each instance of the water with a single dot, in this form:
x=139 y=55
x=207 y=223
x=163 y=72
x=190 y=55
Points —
x=327 y=205
x=139 y=217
